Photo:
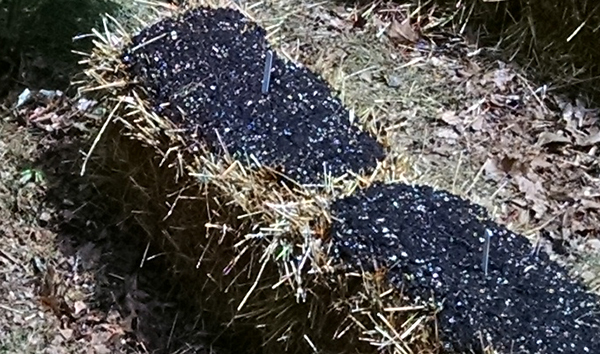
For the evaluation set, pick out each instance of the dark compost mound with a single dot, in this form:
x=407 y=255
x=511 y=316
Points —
x=204 y=71
x=431 y=243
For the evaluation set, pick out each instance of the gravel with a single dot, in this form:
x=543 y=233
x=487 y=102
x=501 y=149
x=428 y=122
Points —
x=432 y=242
x=204 y=71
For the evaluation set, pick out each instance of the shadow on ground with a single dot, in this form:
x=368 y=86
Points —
x=72 y=261
x=146 y=303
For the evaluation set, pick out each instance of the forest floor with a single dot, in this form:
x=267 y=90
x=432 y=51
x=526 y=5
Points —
x=472 y=124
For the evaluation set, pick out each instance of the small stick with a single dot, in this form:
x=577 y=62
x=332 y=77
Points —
x=9 y=257
x=486 y=251
x=267 y=74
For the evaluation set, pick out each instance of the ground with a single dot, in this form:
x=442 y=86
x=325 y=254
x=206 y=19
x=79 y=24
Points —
x=70 y=266
x=473 y=125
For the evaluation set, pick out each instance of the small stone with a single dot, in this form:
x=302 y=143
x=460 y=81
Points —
x=394 y=81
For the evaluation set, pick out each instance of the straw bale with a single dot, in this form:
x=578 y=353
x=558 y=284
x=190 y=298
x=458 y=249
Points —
x=250 y=247
x=525 y=303
x=246 y=215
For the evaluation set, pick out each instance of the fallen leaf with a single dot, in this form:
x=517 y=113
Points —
x=540 y=161
x=403 y=31
x=590 y=204
x=567 y=112
x=101 y=349
x=367 y=76
x=450 y=117
x=45 y=216
x=532 y=190
x=548 y=138
x=79 y=306
x=507 y=163
x=502 y=77
x=589 y=140
x=67 y=333
x=340 y=24
x=394 y=81
x=593 y=245
x=492 y=171
x=477 y=124
x=447 y=133
x=513 y=166
x=89 y=255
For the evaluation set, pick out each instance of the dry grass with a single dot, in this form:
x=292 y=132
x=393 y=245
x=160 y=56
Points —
x=557 y=40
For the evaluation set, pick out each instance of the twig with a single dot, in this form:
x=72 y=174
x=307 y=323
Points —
x=145 y=255
x=172 y=330
x=9 y=257
x=312 y=345
x=475 y=179
x=141 y=45
x=11 y=309
x=460 y=157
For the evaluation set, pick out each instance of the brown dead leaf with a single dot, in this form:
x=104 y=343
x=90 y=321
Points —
x=548 y=138
x=50 y=282
x=450 y=117
x=55 y=304
x=447 y=133
x=507 y=164
x=403 y=31
x=513 y=165
x=79 y=307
